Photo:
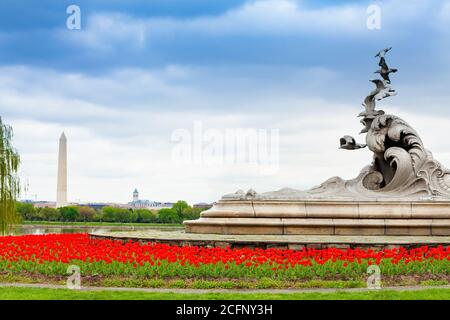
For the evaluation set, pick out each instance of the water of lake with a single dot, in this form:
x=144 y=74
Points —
x=41 y=229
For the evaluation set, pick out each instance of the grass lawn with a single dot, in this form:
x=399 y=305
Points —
x=99 y=224
x=65 y=294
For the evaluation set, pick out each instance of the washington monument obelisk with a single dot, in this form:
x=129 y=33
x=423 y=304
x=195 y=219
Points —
x=61 y=189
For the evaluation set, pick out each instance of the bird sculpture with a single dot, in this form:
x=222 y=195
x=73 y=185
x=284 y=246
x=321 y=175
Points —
x=383 y=52
x=383 y=90
x=349 y=143
x=384 y=70
x=380 y=92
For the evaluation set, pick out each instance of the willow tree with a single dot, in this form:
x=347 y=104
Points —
x=9 y=181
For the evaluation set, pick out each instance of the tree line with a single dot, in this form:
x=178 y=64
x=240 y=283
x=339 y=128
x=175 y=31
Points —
x=179 y=212
x=9 y=180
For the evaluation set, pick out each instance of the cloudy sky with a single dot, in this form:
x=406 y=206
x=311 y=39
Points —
x=140 y=74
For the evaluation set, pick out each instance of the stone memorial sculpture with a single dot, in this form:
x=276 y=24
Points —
x=401 y=166
x=404 y=191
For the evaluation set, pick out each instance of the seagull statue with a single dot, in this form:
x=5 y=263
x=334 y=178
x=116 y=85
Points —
x=349 y=143
x=383 y=52
x=383 y=90
x=385 y=70
x=380 y=92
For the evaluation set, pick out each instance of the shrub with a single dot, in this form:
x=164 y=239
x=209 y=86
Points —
x=123 y=215
x=108 y=214
x=111 y=214
x=191 y=213
x=69 y=213
x=98 y=216
x=86 y=213
x=49 y=214
x=146 y=216
x=26 y=210
x=179 y=206
x=168 y=216
x=134 y=217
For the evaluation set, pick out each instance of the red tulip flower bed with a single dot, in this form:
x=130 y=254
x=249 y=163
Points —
x=52 y=254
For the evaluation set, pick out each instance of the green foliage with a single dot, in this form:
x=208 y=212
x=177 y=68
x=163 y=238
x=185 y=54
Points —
x=168 y=216
x=124 y=215
x=69 y=213
x=11 y=293
x=49 y=214
x=146 y=216
x=432 y=282
x=176 y=215
x=99 y=223
x=108 y=214
x=179 y=206
x=179 y=212
x=26 y=210
x=9 y=181
x=86 y=213
x=191 y=213
x=112 y=214
x=98 y=216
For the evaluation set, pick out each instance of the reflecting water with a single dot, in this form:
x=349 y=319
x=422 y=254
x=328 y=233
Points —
x=39 y=229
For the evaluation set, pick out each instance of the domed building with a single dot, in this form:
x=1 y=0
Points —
x=137 y=203
x=147 y=204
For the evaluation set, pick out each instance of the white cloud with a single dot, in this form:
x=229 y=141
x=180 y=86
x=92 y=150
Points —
x=114 y=149
x=119 y=123
x=115 y=146
x=282 y=16
x=105 y=30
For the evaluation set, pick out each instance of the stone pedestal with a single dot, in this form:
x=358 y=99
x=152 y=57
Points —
x=321 y=217
x=404 y=191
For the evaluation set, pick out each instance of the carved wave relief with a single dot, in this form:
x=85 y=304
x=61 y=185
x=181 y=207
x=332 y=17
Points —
x=401 y=168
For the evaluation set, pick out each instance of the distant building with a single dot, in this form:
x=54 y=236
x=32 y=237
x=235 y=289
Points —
x=160 y=205
x=138 y=204
x=97 y=206
x=203 y=205
x=43 y=204
x=147 y=204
